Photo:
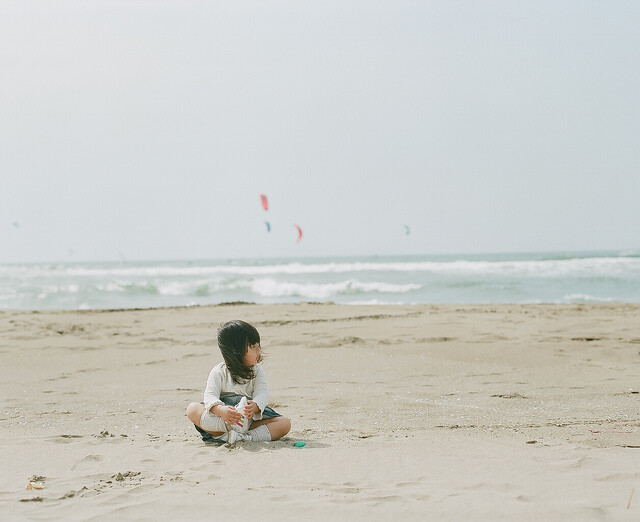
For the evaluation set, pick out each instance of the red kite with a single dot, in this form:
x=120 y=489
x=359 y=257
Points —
x=265 y=204
x=299 y=233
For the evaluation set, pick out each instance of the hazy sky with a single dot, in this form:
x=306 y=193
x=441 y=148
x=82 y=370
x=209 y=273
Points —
x=147 y=130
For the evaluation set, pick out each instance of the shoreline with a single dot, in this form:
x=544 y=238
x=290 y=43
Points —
x=476 y=411
x=232 y=304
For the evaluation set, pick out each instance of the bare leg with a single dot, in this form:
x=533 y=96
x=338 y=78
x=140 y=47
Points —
x=277 y=426
x=194 y=413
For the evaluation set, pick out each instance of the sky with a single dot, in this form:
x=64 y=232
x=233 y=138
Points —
x=146 y=130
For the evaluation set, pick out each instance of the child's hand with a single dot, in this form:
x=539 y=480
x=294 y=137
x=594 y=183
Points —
x=229 y=414
x=251 y=409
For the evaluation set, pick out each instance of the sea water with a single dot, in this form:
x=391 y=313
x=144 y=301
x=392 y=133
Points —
x=466 y=279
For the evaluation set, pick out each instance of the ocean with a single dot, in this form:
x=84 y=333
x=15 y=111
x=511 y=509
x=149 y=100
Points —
x=595 y=277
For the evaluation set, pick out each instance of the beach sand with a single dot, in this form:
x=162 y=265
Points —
x=501 y=412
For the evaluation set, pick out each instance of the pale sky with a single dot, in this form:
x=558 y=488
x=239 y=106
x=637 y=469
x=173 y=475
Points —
x=147 y=130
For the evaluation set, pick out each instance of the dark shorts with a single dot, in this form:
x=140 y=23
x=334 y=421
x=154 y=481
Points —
x=232 y=400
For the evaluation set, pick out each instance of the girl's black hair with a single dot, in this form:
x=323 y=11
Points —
x=234 y=339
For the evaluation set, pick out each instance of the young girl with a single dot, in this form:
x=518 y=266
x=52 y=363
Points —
x=237 y=377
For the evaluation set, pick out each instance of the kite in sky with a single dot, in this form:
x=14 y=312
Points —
x=265 y=206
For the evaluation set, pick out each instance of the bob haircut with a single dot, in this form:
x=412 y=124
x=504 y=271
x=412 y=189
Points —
x=234 y=339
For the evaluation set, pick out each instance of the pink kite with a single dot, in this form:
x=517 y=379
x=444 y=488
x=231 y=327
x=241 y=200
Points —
x=299 y=233
x=265 y=204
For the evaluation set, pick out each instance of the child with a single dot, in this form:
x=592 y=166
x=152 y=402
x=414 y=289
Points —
x=237 y=377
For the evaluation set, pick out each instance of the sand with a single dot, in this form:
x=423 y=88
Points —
x=510 y=412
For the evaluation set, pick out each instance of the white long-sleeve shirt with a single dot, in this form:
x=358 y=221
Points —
x=220 y=384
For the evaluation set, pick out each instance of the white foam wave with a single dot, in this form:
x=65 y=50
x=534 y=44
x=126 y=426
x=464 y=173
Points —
x=372 y=281
x=586 y=298
x=61 y=289
x=375 y=302
x=544 y=268
x=268 y=287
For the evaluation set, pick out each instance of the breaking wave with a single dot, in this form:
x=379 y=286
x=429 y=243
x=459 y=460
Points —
x=520 y=278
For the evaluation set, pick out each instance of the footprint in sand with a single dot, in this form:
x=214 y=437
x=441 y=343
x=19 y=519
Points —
x=65 y=439
x=89 y=459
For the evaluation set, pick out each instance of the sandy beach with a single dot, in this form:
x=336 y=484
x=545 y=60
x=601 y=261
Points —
x=509 y=412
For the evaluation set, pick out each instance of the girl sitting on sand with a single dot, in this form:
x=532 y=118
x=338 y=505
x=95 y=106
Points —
x=237 y=377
